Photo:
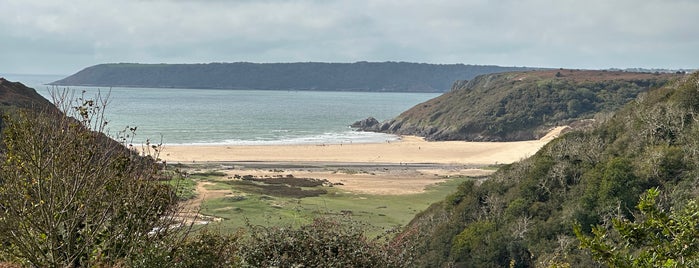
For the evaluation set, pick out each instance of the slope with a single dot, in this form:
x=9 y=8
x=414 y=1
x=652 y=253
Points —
x=519 y=105
x=16 y=95
x=524 y=213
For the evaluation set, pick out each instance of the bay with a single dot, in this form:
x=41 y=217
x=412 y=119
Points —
x=243 y=117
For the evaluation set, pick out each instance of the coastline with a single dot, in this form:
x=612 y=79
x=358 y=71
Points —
x=408 y=150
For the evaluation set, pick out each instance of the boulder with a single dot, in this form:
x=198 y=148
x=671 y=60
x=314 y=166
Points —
x=365 y=124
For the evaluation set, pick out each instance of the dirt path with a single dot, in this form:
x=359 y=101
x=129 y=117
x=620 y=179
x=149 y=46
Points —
x=191 y=208
x=553 y=133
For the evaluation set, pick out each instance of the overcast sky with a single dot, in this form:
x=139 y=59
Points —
x=63 y=37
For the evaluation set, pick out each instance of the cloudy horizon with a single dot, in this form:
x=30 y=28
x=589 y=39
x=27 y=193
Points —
x=63 y=37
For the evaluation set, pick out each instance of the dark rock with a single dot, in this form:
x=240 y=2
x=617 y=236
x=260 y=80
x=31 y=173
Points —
x=365 y=124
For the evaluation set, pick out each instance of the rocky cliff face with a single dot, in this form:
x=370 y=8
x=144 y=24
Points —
x=519 y=105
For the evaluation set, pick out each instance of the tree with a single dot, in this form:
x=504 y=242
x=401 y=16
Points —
x=656 y=238
x=70 y=196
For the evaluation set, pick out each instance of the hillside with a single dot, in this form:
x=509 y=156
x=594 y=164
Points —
x=519 y=105
x=359 y=76
x=523 y=215
x=15 y=94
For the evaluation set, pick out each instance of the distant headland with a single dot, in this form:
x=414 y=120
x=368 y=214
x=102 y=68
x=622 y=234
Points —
x=358 y=76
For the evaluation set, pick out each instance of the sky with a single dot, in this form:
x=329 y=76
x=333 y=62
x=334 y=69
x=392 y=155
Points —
x=65 y=36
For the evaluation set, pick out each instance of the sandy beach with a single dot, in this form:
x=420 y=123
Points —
x=401 y=167
x=406 y=151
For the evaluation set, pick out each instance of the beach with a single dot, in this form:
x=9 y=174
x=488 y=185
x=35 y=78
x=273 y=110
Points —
x=407 y=150
x=398 y=167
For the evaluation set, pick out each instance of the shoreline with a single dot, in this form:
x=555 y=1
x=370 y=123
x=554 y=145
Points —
x=407 y=150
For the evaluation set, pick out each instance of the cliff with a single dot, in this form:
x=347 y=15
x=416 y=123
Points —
x=359 y=76
x=520 y=105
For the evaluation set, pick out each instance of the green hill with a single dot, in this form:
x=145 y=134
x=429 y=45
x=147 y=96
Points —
x=523 y=215
x=359 y=76
x=520 y=105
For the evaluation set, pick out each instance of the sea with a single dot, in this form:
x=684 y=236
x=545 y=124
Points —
x=174 y=116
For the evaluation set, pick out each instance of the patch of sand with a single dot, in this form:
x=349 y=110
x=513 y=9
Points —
x=379 y=180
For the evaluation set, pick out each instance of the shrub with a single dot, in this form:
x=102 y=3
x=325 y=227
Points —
x=70 y=196
x=325 y=242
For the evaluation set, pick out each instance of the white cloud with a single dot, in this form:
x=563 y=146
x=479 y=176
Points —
x=65 y=36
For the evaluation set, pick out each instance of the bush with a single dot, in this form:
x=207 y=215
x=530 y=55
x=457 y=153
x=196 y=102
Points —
x=70 y=196
x=206 y=249
x=658 y=238
x=326 y=242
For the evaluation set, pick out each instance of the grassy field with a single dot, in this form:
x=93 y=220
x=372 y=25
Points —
x=283 y=202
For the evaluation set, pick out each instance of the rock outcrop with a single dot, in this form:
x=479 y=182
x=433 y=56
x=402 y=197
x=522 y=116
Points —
x=365 y=124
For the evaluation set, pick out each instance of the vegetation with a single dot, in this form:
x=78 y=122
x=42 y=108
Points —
x=71 y=197
x=520 y=105
x=261 y=205
x=359 y=76
x=657 y=238
x=325 y=242
x=524 y=214
x=14 y=95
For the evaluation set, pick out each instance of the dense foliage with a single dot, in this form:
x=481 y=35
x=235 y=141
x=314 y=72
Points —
x=656 y=238
x=325 y=242
x=524 y=214
x=71 y=197
x=359 y=76
x=520 y=105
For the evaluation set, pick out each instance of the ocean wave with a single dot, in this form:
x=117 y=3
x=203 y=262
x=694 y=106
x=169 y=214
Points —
x=349 y=137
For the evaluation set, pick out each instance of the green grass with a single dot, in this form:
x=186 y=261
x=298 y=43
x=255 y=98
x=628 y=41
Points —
x=380 y=211
x=185 y=187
